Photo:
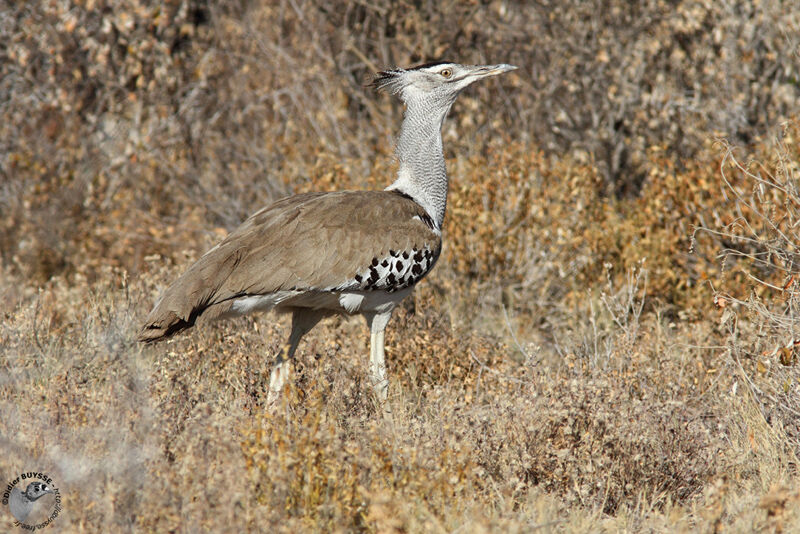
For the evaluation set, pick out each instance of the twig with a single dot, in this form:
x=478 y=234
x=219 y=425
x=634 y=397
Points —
x=493 y=371
x=514 y=337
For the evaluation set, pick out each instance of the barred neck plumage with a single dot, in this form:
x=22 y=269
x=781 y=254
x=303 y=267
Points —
x=422 y=174
x=428 y=92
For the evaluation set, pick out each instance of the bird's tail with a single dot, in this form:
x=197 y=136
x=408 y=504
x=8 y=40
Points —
x=162 y=325
x=198 y=292
x=192 y=297
x=179 y=307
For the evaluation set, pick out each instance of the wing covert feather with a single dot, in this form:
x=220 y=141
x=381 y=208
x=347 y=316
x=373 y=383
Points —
x=323 y=241
x=312 y=241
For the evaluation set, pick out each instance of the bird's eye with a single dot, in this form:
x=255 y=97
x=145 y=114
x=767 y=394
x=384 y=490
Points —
x=446 y=73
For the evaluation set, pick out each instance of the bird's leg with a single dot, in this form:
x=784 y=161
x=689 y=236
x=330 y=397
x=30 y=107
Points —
x=377 y=366
x=303 y=320
x=280 y=373
x=377 y=358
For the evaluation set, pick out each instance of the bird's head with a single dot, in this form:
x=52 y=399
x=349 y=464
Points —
x=441 y=81
x=36 y=490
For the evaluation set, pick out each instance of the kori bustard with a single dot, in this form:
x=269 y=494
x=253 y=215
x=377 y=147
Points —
x=318 y=254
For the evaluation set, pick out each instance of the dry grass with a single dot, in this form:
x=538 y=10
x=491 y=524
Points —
x=565 y=367
x=620 y=432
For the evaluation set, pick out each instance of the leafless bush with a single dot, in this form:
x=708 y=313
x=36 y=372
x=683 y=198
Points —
x=761 y=240
x=205 y=110
x=615 y=326
x=609 y=80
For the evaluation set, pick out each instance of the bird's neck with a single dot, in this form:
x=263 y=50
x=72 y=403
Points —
x=422 y=174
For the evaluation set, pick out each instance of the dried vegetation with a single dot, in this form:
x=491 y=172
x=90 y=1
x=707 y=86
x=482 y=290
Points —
x=609 y=342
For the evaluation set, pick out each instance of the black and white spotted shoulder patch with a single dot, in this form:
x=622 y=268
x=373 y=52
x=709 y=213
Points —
x=398 y=269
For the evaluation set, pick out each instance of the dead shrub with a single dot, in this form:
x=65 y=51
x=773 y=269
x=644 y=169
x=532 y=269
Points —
x=760 y=241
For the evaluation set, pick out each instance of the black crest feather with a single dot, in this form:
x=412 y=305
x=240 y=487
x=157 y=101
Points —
x=430 y=64
x=387 y=80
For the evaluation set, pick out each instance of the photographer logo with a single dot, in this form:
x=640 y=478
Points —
x=32 y=501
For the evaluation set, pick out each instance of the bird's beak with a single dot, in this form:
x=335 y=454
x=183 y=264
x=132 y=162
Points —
x=494 y=70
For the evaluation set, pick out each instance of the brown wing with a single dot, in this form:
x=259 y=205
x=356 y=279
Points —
x=314 y=241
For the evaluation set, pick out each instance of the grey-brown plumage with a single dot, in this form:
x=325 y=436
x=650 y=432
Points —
x=263 y=256
x=318 y=254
